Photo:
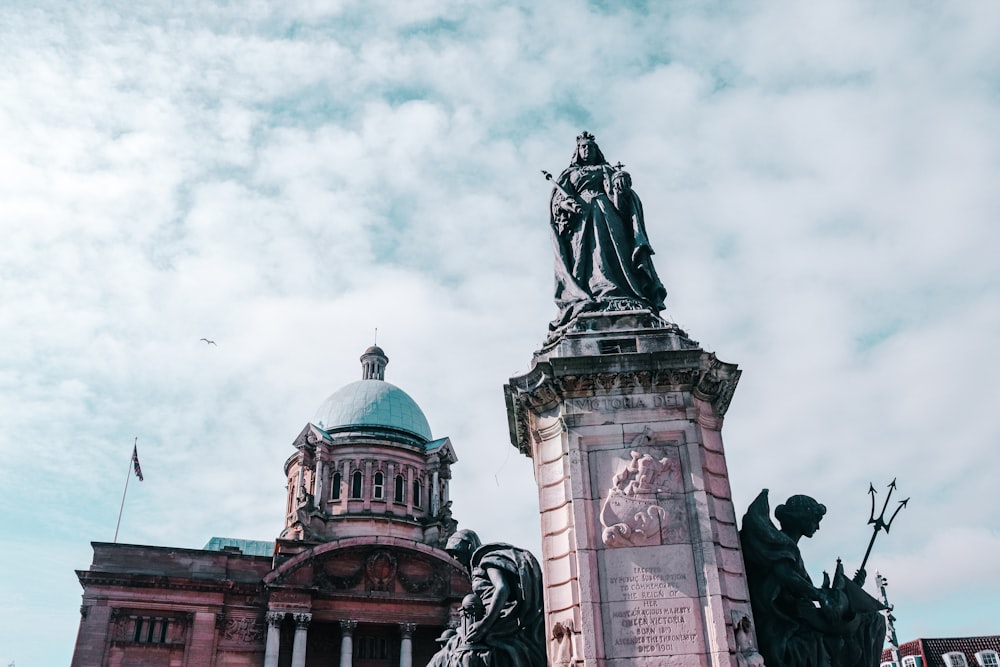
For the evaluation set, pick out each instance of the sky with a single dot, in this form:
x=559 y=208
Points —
x=820 y=188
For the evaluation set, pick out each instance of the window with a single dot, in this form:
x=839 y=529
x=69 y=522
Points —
x=400 y=492
x=335 y=491
x=417 y=493
x=378 y=489
x=955 y=659
x=888 y=664
x=988 y=659
x=913 y=661
x=150 y=630
x=356 y=484
x=371 y=648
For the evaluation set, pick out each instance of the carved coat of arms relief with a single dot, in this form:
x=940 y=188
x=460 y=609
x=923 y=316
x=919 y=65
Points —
x=643 y=507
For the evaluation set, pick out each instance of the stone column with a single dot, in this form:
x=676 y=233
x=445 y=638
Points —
x=91 y=638
x=435 y=493
x=367 y=483
x=201 y=644
x=318 y=483
x=408 y=491
x=300 y=485
x=345 y=485
x=299 y=645
x=274 y=619
x=406 y=644
x=347 y=642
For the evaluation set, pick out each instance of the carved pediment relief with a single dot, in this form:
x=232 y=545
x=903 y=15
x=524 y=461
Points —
x=377 y=568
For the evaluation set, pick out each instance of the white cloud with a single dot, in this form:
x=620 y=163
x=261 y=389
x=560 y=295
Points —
x=820 y=189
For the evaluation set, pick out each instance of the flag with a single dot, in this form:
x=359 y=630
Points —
x=135 y=463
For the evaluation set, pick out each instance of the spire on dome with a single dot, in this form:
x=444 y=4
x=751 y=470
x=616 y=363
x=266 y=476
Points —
x=373 y=363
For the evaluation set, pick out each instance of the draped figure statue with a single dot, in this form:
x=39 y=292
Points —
x=603 y=256
x=502 y=619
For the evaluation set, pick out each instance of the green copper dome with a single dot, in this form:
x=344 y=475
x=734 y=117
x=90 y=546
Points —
x=368 y=403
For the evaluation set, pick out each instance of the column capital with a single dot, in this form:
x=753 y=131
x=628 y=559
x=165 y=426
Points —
x=348 y=626
x=275 y=617
x=407 y=629
x=302 y=619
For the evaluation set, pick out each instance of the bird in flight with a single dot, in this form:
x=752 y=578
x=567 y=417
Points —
x=210 y=342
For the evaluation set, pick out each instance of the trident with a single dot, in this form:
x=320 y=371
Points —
x=880 y=523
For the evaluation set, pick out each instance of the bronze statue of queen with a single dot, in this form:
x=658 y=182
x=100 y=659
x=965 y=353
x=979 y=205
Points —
x=603 y=256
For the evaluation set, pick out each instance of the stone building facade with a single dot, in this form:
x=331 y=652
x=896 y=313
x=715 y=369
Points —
x=358 y=577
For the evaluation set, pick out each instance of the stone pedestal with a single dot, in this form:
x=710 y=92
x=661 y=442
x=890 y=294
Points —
x=641 y=558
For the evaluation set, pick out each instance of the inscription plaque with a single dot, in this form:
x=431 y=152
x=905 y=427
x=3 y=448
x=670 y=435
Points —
x=651 y=605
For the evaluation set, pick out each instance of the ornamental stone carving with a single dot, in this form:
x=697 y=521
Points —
x=380 y=570
x=702 y=378
x=561 y=643
x=639 y=510
x=243 y=629
x=746 y=649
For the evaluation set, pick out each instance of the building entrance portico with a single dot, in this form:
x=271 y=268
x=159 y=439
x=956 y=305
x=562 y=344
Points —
x=302 y=642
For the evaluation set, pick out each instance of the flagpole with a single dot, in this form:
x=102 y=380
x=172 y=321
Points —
x=127 y=475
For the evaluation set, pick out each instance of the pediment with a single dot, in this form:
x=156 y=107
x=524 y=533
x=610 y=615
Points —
x=443 y=449
x=310 y=436
x=391 y=567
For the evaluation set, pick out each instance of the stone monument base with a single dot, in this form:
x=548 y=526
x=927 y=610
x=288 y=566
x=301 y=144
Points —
x=640 y=552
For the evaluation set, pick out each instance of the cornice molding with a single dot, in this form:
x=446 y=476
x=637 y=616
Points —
x=88 y=578
x=548 y=384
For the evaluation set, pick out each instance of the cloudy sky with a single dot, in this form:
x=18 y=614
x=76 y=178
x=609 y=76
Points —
x=820 y=185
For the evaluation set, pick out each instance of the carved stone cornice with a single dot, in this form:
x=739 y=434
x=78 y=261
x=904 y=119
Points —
x=717 y=384
x=548 y=384
x=171 y=583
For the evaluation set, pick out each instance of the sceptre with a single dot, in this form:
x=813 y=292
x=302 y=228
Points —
x=564 y=193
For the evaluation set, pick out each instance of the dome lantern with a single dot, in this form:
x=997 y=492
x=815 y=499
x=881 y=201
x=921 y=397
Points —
x=373 y=363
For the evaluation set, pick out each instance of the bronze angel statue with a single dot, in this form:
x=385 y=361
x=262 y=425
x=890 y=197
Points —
x=798 y=624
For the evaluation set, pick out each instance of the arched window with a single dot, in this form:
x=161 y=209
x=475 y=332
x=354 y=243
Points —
x=356 y=484
x=378 y=488
x=400 y=492
x=417 y=493
x=335 y=490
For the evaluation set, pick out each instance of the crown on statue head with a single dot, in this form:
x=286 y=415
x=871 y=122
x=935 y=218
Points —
x=585 y=136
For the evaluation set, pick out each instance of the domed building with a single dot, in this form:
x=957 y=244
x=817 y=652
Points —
x=358 y=577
